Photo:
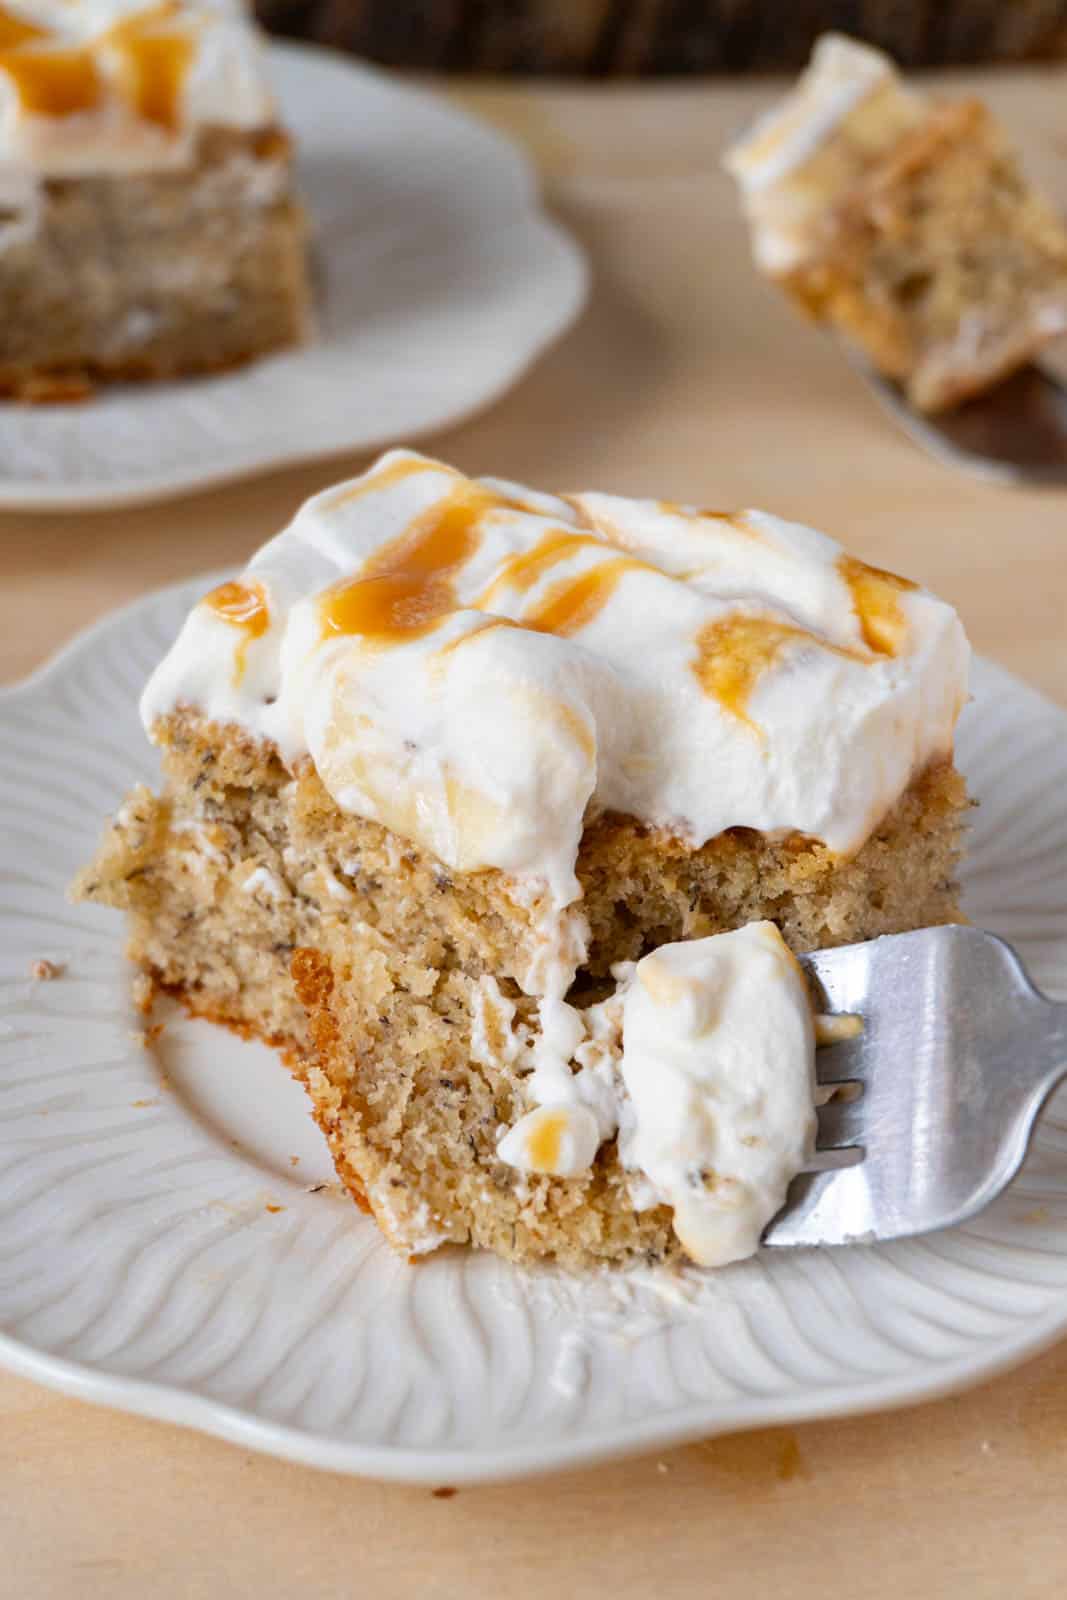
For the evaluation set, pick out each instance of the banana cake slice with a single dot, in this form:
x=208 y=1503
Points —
x=502 y=812
x=147 y=223
x=905 y=223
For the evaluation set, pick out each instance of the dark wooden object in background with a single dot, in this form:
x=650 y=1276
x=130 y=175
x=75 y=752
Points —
x=612 y=37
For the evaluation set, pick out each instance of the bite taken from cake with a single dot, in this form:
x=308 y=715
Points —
x=502 y=812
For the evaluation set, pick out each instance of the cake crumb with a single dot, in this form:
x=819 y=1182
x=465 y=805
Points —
x=294 y=1161
x=143 y=1037
x=139 y=1104
x=274 y=1209
x=661 y=1466
x=444 y=1493
x=44 y=971
x=143 y=992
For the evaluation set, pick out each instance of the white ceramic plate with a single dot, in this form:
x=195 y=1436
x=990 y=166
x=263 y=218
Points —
x=160 y=1249
x=438 y=281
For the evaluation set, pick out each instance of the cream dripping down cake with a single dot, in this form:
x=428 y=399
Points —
x=905 y=223
x=147 y=224
x=503 y=812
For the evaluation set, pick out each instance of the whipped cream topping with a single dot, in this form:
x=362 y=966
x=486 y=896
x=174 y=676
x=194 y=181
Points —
x=481 y=668
x=95 y=86
x=718 y=1063
x=848 y=108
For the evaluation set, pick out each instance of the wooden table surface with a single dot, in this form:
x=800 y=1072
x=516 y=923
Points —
x=685 y=378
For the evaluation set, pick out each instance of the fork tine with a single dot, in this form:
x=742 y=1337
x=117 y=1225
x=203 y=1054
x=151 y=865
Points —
x=824 y=1208
x=842 y=1063
x=841 y=1122
x=961 y=1053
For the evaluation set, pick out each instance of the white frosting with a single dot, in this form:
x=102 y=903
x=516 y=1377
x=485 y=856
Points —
x=560 y=1140
x=847 y=108
x=224 y=85
x=557 y=658
x=718 y=1067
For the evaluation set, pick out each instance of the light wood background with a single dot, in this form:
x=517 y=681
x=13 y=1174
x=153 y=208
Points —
x=685 y=378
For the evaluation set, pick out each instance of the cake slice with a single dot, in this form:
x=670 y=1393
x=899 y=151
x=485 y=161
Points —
x=147 y=223
x=463 y=786
x=905 y=224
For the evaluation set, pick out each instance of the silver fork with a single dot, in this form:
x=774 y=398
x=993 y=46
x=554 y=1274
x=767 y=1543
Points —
x=934 y=1100
x=1014 y=433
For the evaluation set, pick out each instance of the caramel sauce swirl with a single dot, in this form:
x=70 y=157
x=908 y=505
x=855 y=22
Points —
x=244 y=607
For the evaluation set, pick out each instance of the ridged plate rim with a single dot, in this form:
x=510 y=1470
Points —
x=464 y=1463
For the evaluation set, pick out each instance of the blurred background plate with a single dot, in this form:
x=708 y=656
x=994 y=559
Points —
x=438 y=281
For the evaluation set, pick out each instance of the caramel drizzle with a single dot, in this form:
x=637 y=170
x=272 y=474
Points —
x=408 y=586
x=573 y=603
x=734 y=652
x=15 y=30
x=875 y=600
x=242 y=606
x=732 y=519
x=543 y=1144
x=522 y=571
x=395 y=472
x=54 y=82
x=153 y=64
x=53 y=79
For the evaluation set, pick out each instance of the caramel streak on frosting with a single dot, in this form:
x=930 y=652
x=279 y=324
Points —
x=404 y=589
x=16 y=30
x=244 y=607
x=379 y=478
x=528 y=567
x=52 y=80
x=876 y=600
x=152 y=62
x=734 y=652
x=573 y=603
x=120 y=85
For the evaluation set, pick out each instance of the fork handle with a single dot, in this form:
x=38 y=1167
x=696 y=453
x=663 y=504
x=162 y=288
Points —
x=1045 y=1049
